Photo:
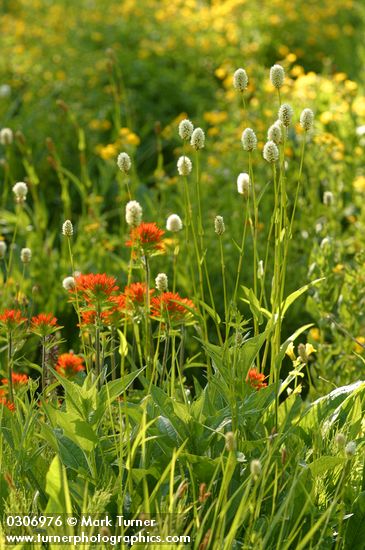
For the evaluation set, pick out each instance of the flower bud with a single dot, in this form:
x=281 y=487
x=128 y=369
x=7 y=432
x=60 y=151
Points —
x=271 y=152
x=67 y=228
x=133 y=213
x=174 y=223
x=124 y=162
x=260 y=269
x=219 y=226
x=161 y=282
x=302 y=352
x=68 y=283
x=25 y=255
x=3 y=248
x=243 y=184
x=285 y=114
x=350 y=449
x=230 y=441
x=6 y=136
x=240 y=80
x=20 y=191
x=306 y=119
x=185 y=129
x=249 y=139
x=255 y=468
x=328 y=198
x=184 y=166
x=340 y=440
x=197 y=139
x=277 y=75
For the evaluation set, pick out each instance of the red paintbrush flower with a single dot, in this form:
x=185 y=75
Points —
x=11 y=319
x=18 y=379
x=146 y=236
x=135 y=294
x=8 y=404
x=69 y=365
x=43 y=324
x=172 y=308
x=95 y=288
x=116 y=313
x=256 y=379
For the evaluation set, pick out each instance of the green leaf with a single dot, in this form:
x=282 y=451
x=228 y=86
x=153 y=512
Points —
x=123 y=344
x=57 y=489
x=295 y=295
x=325 y=464
x=355 y=529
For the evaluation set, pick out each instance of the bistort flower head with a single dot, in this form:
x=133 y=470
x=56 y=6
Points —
x=256 y=379
x=20 y=191
x=25 y=255
x=174 y=223
x=3 y=248
x=147 y=236
x=197 y=140
x=274 y=133
x=161 y=282
x=69 y=365
x=43 y=324
x=243 y=184
x=184 y=166
x=171 y=308
x=124 y=162
x=285 y=114
x=255 y=468
x=6 y=136
x=67 y=228
x=68 y=283
x=133 y=213
x=185 y=129
x=219 y=226
x=240 y=80
x=271 y=152
x=350 y=449
x=249 y=139
x=277 y=75
x=306 y=119
x=328 y=198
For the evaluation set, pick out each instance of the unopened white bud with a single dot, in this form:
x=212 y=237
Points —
x=255 y=468
x=328 y=198
x=133 y=213
x=277 y=75
x=340 y=440
x=240 y=80
x=185 y=129
x=219 y=226
x=260 y=269
x=161 y=282
x=67 y=228
x=174 y=223
x=271 y=152
x=68 y=283
x=184 y=166
x=25 y=255
x=249 y=139
x=285 y=114
x=124 y=162
x=197 y=140
x=306 y=119
x=350 y=449
x=243 y=184
x=20 y=191
x=6 y=136
x=3 y=248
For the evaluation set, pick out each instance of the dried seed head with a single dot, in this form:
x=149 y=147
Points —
x=6 y=136
x=328 y=198
x=306 y=119
x=340 y=440
x=174 y=223
x=285 y=114
x=20 y=191
x=249 y=139
x=161 y=282
x=3 y=248
x=184 y=166
x=67 y=228
x=68 y=283
x=277 y=75
x=243 y=184
x=25 y=255
x=133 y=213
x=255 y=468
x=274 y=133
x=350 y=449
x=185 y=129
x=219 y=226
x=240 y=80
x=197 y=140
x=230 y=441
x=271 y=152
x=124 y=162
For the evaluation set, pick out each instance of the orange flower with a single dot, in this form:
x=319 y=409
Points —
x=135 y=294
x=95 y=287
x=11 y=319
x=69 y=365
x=147 y=236
x=256 y=379
x=172 y=307
x=116 y=314
x=43 y=324
x=8 y=404
x=18 y=379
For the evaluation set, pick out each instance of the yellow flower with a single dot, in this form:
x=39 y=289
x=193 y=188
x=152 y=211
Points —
x=357 y=347
x=338 y=268
x=359 y=184
x=290 y=352
x=315 y=334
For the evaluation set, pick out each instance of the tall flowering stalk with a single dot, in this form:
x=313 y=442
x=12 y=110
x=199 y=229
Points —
x=44 y=325
x=11 y=324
